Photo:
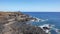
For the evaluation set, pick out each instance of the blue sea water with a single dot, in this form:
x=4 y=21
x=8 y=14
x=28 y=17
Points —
x=53 y=18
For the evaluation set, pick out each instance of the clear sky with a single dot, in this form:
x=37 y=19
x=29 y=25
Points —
x=30 y=5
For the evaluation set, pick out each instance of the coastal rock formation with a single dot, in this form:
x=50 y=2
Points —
x=16 y=23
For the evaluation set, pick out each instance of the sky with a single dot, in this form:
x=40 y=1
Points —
x=30 y=5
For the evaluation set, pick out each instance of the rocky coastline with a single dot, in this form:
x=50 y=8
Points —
x=16 y=23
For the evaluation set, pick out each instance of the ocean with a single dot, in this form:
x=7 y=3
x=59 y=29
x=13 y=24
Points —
x=53 y=18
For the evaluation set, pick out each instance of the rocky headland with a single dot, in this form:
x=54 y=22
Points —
x=17 y=23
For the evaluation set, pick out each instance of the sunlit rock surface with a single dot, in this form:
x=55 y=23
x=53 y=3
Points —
x=16 y=23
